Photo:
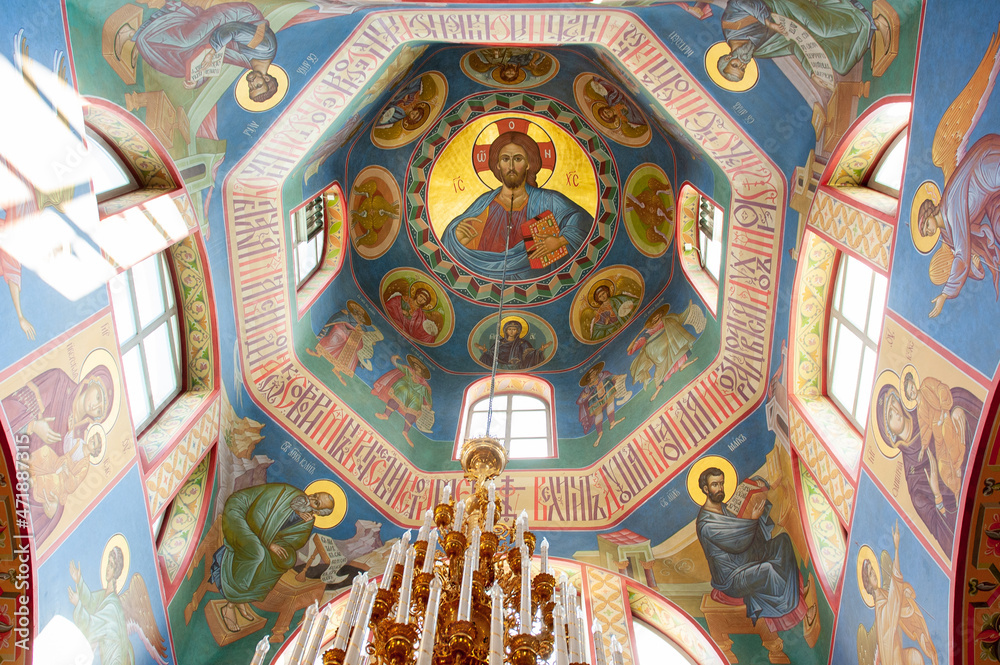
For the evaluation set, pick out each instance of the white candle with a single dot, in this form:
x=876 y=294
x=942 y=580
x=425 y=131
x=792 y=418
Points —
x=545 y=555
x=406 y=542
x=390 y=566
x=598 y=643
x=403 y=609
x=525 y=591
x=304 y=629
x=465 y=595
x=574 y=637
x=563 y=595
x=431 y=548
x=582 y=636
x=519 y=532
x=426 y=527
x=616 y=651
x=446 y=495
x=496 y=626
x=459 y=516
x=474 y=547
x=430 y=624
x=559 y=619
x=491 y=506
x=358 y=637
x=316 y=639
x=344 y=630
x=260 y=650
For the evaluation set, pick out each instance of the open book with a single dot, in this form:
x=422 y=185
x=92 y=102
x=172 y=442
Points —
x=534 y=231
x=747 y=496
x=206 y=64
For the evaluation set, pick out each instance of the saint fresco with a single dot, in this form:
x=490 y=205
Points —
x=414 y=108
x=374 y=210
x=510 y=67
x=649 y=210
x=347 y=340
x=605 y=303
x=417 y=306
x=611 y=110
x=663 y=346
x=68 y=417
x=526 y=342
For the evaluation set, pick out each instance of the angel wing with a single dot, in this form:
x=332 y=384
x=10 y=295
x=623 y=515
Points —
x=885 y=567
x=140 y=620
x=951 y=139
x=867 y=645
x=695 y=317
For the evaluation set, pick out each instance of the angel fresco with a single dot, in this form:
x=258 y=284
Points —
x=606 y=303
x=109 y=617
x=601 y=391
x=411 y=109
x=663 y=345
x=612 y=110
x=966 y=215
x=416 y=307
x=406 y=391
x=510 y=66
x=347 y=340
x=897 y=612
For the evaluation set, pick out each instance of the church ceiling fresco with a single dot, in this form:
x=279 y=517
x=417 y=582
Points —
x=730 y=380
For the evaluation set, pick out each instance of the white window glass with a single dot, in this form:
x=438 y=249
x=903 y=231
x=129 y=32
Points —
x=889 y=172
x=110 y=176
x=655 y=649
x=711 y=217
x=855 y=326
x=308 y=237
x=148 y=325
x=518 y=421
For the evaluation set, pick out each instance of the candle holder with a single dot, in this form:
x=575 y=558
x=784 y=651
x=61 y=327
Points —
x=334 y=657
x=514 y=560
x=541 y=588
x=444 y=513
x=461 y=637
x=384 y=600
x=529 y=540
x=398 y=643
x=524 y=649
x=422 y=588
x=421 y=549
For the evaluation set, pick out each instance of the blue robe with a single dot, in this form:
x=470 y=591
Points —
x=575 y=225
x=746 y=562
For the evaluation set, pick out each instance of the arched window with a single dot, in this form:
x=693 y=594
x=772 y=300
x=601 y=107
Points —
x=522 y=415
x=520 y=422
x=701 y=224
x=653 y=648
x=887 y=175
x=855 y=325
x=709 y=231
x=308 y=238
x=111 y=176
x=147 y=323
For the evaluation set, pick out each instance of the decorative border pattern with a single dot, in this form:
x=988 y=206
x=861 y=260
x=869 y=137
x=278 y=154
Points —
x=866 y=146
x=163 y=481
x=146 y=163
x=829 y=477
x=824 y=530
x=189 y=274
x=732 y=385
x=809 y=320
x=674 y=623
x=468 y=284
x=180 y=531
x=608 y=605
x=866 y=235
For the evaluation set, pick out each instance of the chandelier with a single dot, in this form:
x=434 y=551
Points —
x=462 y=594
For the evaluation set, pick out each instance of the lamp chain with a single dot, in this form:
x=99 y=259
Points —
x=496 y=342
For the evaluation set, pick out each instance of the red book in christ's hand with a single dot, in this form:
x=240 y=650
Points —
x=534 y=231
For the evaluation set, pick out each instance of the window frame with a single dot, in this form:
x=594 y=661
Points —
x=870 y=183
x=510 y=411
x=103 y=144
x=836 y=320
x=705 y=243
x=172 y=313
x=311 y=233
x=682 y=656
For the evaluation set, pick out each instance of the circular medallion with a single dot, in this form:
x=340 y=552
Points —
x=414 y=108
x=558 y=223
x=417 y=306
x=611 y=111
x=605 y=303
x=707 y=462
x=374 y=211
x=526 y=342
x=649 y=210
x=510 y=67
